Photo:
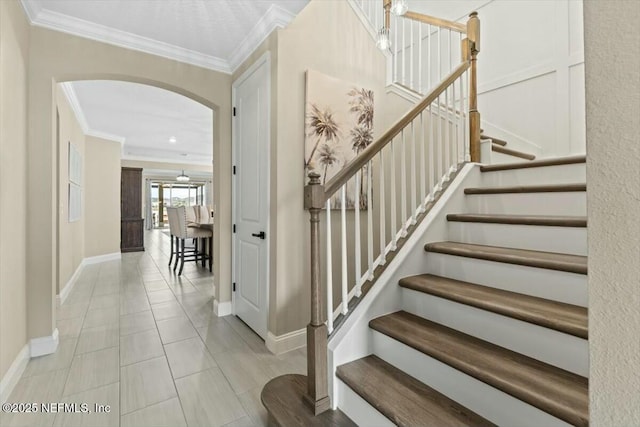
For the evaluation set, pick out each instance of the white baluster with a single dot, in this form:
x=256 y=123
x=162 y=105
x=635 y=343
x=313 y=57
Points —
x=420 y=88
x=404 y=79
x=432 y=162
x=447 y=135
x=394 y=203
x=423 y=172
x=396 y=56
x=383 y=234
x=440 y=153
x=429 y=59
x=358 y=256
x=369 y=222
x=439 y=56
x=345 y=297
x=467 y=153
x=411 y=46
x=403 y=187
x=414 y=203
x=329 y=271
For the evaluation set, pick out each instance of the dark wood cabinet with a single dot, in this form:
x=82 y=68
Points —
x=131 y=221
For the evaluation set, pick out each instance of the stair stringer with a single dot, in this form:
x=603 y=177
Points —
x=354 y=339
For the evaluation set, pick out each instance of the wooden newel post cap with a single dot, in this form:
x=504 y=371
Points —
x=314 y=192
x=473 y=14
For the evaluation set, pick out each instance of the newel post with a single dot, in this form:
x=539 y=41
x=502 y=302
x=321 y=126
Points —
x=317 y=388
x=473 y=34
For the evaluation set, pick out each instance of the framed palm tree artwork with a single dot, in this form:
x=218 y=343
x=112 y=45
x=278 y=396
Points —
x=338 y=126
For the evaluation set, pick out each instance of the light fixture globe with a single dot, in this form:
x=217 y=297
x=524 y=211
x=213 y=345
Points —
x=399 y=7
x=182 y=177
x=383 y=42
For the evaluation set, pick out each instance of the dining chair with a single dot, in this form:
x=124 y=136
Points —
x=183 y=232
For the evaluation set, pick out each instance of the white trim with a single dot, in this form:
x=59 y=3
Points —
x=102 y=33
x=44 y=345
x=104 y=135
x=363 y=18
x=265 y=59
x=114 y=256
x=66 y=290
x=222 y=309
x=404 y=92
x=163 y=160
x=13 y=374
x=70 y=94
x=276 y=17
x=286 y=342
x=31 y=8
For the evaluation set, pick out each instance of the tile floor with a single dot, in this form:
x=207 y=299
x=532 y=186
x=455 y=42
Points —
x=144 y=341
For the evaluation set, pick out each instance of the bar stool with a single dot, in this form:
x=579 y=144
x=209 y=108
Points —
x=182 y=232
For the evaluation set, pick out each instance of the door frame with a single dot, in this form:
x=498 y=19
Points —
x=264 y=60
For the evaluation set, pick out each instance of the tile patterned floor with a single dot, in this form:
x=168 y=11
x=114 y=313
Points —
x=144 y=341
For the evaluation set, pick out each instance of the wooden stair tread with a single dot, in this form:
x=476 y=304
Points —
x=535 y=163
x=510 y=152
x=544 y=220
x=549 y=260
x=493 y=139
x=567 y=318
x=283 y=397
x=402 y=398
x=547 y=188
x=553 y=390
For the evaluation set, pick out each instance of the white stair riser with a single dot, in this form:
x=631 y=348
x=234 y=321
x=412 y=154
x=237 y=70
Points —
x=561 y=203
x=567 y=240
x=570 y=288
x=547 y=345
x=358 y=409
x=500 y=158
x=559 y=174
x=490 y=403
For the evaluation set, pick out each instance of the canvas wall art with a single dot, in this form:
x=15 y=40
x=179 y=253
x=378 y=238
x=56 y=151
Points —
x=338 y=126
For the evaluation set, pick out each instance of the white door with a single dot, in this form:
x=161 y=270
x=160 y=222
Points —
x=251 y=195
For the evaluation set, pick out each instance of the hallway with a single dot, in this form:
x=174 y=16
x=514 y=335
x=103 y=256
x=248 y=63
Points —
x=136 y=337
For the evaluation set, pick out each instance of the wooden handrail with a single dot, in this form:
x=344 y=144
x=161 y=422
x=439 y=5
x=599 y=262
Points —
x=339 y=179
x=439 y=22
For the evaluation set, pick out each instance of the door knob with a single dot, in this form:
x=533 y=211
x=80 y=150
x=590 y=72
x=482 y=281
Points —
x=261 y=235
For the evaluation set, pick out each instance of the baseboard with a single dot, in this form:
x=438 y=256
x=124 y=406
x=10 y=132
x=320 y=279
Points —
x=115 y=256
x=287 y=342
x=44 y=345
x=404 y=92
x=13 y=374
x=64 y=293
x=221 y=309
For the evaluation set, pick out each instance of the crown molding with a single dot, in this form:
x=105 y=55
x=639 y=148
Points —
x=163 y=160
x=70 y=94
x=108 y=136
x=276 y=17
x=101 y=33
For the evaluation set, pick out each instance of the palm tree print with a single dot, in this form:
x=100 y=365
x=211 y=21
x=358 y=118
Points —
x=323 y=126
x=362 y=104
x=362 y=134
x=327 y=157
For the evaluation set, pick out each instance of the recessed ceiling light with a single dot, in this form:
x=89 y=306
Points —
x=183 y=154
x=173 y=140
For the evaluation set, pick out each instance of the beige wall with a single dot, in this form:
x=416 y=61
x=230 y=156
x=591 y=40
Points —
x=162 y=165
x=57 y=57
x=14 y=52
x=102 y=197
x=328 y=37
x=70 y=234
x=612 y=60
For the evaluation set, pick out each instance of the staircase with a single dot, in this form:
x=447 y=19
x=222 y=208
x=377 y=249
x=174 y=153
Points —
x=494 y=331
